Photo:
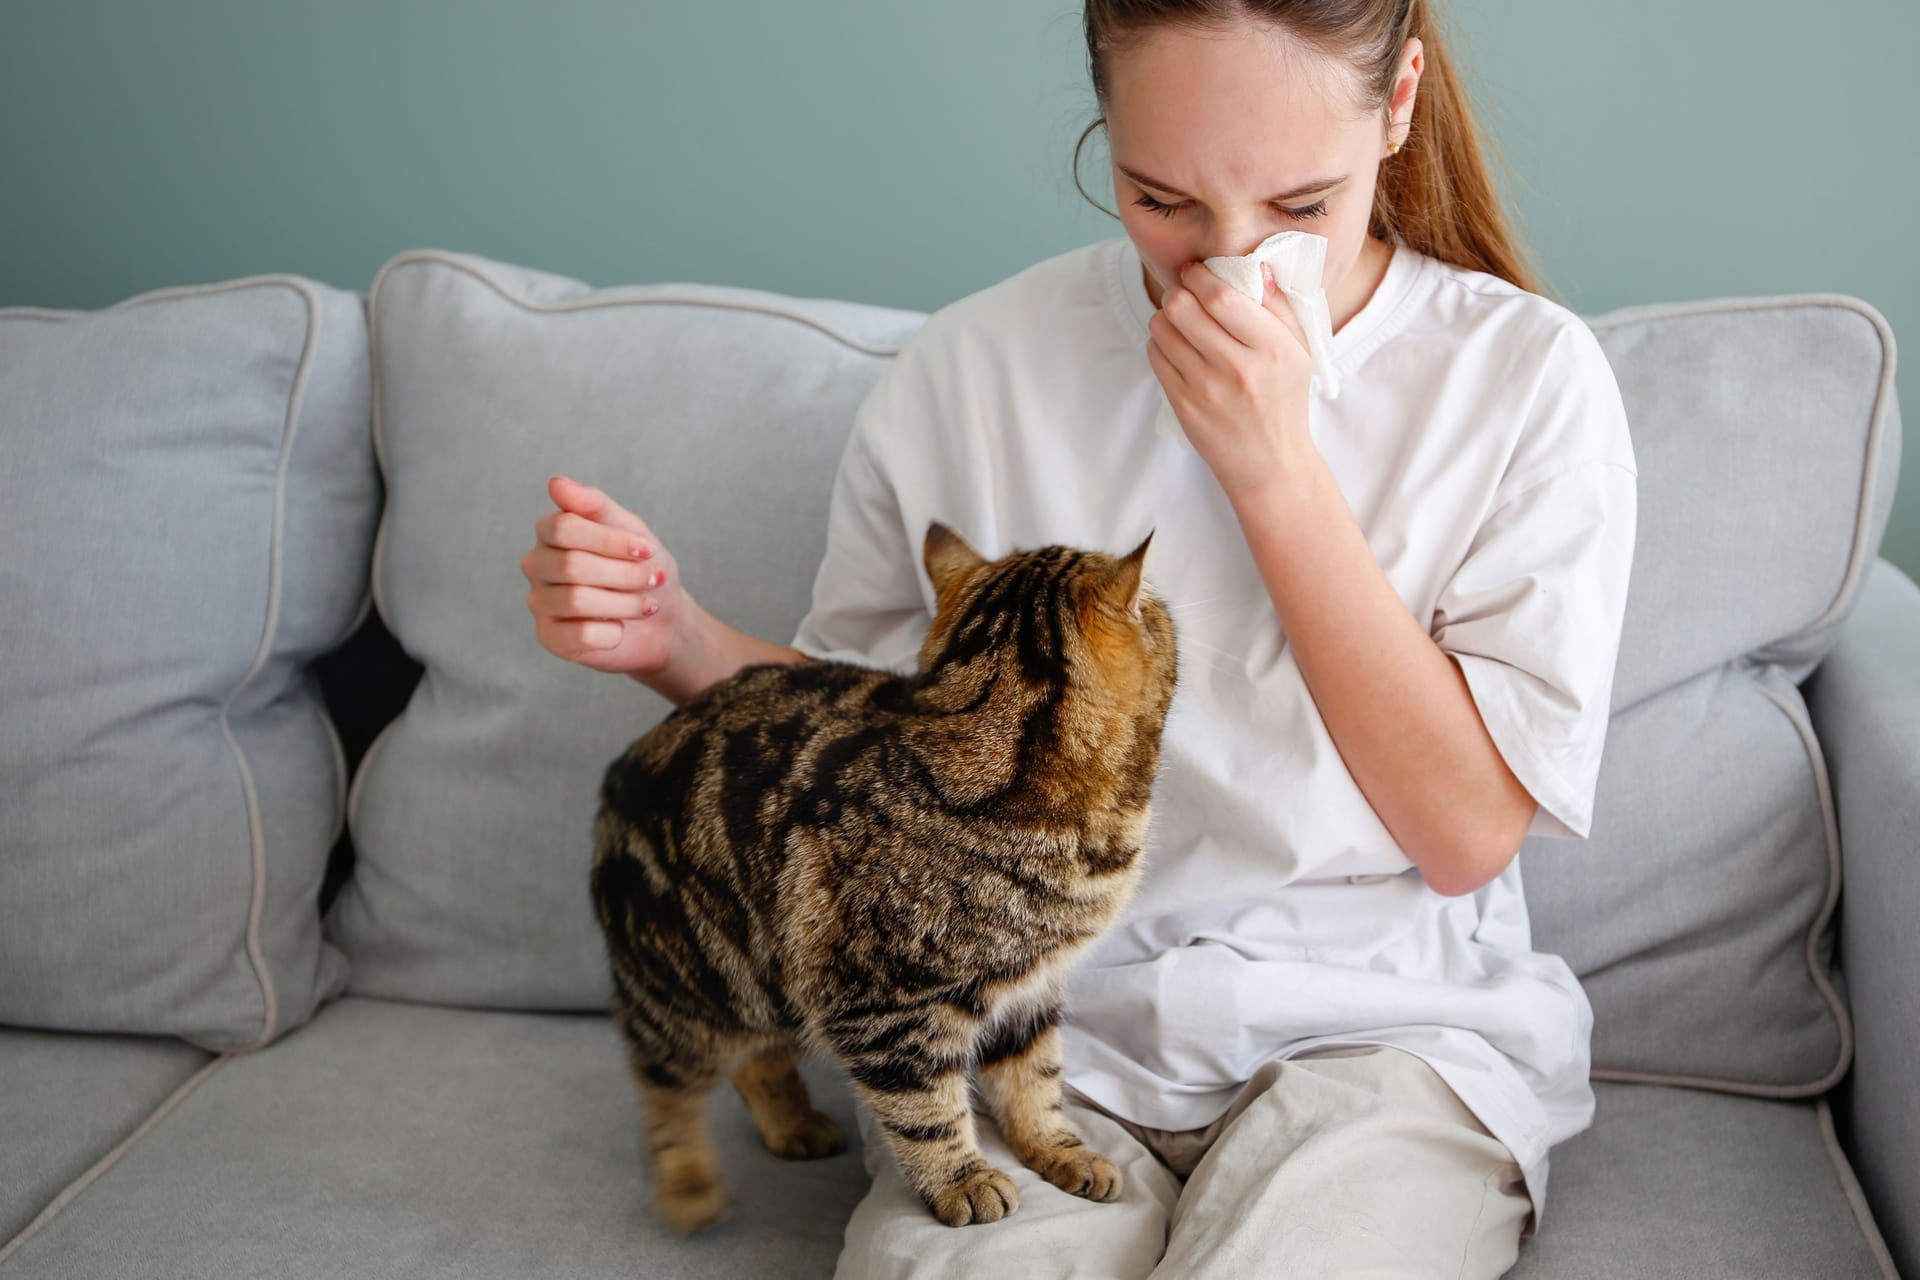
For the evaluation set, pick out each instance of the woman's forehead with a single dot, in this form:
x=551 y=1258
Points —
x=1208 y=119
x=1175 y=81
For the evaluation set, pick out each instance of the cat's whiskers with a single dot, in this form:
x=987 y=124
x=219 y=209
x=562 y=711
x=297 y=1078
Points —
x=1181 y=611
x=1209 y=653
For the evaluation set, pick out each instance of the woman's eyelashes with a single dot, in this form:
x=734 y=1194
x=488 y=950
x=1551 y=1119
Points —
x=1317 y=209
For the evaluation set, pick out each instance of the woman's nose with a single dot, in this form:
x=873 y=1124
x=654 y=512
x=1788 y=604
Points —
x=1238 y=243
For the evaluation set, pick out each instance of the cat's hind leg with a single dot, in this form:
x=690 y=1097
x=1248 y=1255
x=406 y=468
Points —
x=1020 y=1076
x=673 y=1088
x=769 y=1083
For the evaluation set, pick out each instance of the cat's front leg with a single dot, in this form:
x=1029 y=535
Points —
x=920 y=1100
x=1020 y=1074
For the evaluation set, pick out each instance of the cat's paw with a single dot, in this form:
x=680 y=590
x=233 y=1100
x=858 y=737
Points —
x=984 y=1195
x=809 y=1138
x=1079 y=1171
x=691 y=1204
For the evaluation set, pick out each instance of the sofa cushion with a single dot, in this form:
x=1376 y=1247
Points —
x=389 y=1139
x=1697 y=915
x=1683 y=1182
x=68 y=1101
x=188 y=506
x=717 y=414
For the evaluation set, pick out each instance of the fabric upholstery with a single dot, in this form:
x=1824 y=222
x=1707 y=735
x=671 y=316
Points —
x=716 y=415
x=188 y=505
x=68 y=1100
x=1866 y=702
x=391 y=1139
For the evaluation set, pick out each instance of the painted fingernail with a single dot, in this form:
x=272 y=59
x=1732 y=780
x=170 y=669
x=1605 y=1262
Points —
x=652 y=607
x=636 y=548
x=659 y=576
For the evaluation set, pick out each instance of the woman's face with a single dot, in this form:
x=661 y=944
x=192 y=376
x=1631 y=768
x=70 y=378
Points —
x=1220 y=139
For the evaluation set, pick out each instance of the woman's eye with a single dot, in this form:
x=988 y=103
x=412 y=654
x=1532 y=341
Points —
x=1317 y=209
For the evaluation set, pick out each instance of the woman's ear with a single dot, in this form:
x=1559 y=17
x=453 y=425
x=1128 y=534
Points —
x=1406 y=87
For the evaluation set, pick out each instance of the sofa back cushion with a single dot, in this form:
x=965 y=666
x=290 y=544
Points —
x=188 y=503
x=1698 y=915
x=717 y=415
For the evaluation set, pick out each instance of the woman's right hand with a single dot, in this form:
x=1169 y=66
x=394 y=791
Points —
x=603 y=592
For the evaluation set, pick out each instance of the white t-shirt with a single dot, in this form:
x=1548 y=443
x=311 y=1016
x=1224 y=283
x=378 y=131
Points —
x=1480 y=440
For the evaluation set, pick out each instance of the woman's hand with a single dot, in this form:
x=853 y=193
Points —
x=1236 y=373
x=603 y=592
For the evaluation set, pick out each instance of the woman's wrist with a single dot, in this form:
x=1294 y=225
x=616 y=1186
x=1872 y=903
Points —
x=689 y=655
x=705 y=651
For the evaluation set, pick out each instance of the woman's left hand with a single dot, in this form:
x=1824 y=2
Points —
x=1236 y=373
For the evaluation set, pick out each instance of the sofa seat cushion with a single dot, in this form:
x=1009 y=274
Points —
x=1706 y=1185
x=388 y=1139
x=68 y=1101
x=392 y=1139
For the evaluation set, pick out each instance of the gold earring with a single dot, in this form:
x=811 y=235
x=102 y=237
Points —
x=1393 y=148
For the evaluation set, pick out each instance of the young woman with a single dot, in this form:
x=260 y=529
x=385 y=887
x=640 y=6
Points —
x=1320 y=1042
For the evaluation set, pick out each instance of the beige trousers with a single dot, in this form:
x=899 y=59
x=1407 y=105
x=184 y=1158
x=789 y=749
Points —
x=1356 y=1162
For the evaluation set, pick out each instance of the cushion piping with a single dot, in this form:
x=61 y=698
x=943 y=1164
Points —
x=296 y=399
x=709 y=295
x=106 y=1162
x=1843 y=1021
x=1855 y=1193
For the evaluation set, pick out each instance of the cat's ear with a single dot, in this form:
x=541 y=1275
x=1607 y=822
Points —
x=1126 y=579
x=947 y=556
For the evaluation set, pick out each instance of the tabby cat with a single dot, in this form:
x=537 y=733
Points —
x=894 y=871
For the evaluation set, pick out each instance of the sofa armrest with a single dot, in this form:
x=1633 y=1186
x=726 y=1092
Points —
x=1865 y=702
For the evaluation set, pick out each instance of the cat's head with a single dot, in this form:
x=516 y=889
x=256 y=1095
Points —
x=1084 y=621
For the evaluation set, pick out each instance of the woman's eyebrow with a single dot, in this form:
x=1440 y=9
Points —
x=1304 y=189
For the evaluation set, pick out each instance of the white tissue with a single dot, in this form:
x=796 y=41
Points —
x=1297 y=259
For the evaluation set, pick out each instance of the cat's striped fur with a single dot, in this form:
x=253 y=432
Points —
x=894 y=871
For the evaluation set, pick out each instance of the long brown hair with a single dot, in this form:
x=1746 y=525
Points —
x=1435 y=193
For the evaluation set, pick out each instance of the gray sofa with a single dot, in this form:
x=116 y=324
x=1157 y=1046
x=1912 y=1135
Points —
x=298 y=974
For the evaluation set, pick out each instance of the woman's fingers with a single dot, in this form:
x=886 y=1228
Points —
x=570 y=531
x=553 y=566
x=567 y=600
x=570 y=495
x=576 y=639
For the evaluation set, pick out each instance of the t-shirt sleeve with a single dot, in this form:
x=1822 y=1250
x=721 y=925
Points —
x=868 y=606
x=1533 y=613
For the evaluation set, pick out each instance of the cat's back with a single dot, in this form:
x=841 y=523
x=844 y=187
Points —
x=743 y=738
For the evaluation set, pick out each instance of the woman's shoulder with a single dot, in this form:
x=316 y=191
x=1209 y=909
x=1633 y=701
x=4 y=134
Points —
x=1473 y=298
x=1546 y=357
x=1486 y=326
x=1469 y=302
x=1037 y=304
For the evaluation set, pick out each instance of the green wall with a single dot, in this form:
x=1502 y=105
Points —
x=891 y=151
